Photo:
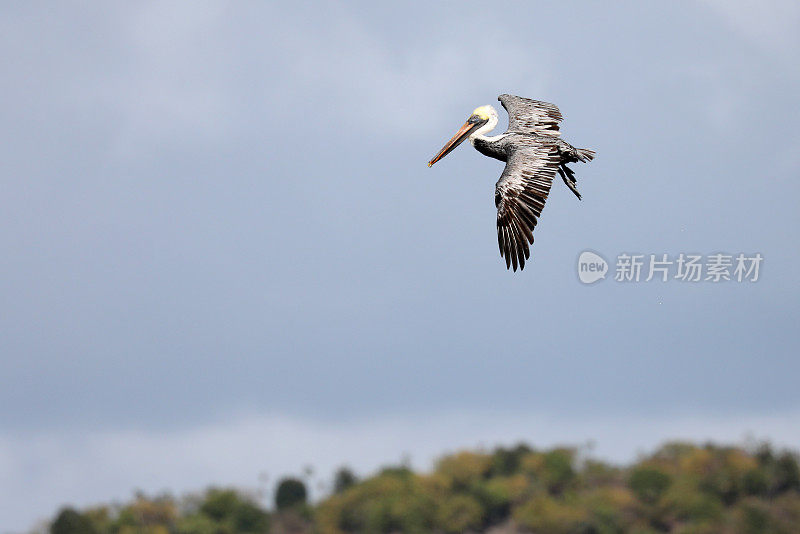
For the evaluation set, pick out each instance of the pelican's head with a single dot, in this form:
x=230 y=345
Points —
x=483 y=119
x=487 y=113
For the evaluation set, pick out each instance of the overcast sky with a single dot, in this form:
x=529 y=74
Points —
x=223 y=253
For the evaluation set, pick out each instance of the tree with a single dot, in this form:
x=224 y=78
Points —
x=291 y=492
x=787 y=473
x=226 y=507
x=558 y=471
x=343 y=479
x=649 y=483
x=70 y=521
x=459 y=513
x=507 y=461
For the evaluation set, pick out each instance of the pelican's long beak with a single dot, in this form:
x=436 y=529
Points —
x=463 y=132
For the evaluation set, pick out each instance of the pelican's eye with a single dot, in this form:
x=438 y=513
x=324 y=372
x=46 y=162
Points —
x=476 y=119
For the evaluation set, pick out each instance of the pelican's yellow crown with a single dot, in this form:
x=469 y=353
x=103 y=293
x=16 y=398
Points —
x=483 y=112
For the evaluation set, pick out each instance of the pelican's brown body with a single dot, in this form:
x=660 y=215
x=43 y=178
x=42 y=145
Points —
x=533 y=152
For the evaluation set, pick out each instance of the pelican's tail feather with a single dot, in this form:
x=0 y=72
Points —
x=585 y=155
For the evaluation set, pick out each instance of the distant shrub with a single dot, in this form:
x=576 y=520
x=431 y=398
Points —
x=780 y=471
x=197 y=524
x=228 y=510
x=558 y=470
x=219 y=504
x=154 y=515
x=609 y=510
x=754 y=518
x=343 y=479
x=722 y=472
x=505 y=462
x=459 y=513
x=787 y=473
x=648 y=483
x=595 y=473
x=685 y=502
x=496 y=495
x=70 y=521
x=393 y=501
x=552 y=516
x=755 y=482
x=291 y=492
x=464 y=468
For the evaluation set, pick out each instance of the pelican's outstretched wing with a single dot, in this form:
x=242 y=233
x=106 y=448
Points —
x=520 y=195
x=531 y=116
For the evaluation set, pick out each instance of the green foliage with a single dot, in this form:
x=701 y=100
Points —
x=497 y=495
x=685 y=502
x=610 y=510
x=787 y=473
x=343 y=479
x=464 y=468
x=143 y=515
x=648 y=483
x=228 y=510
x=754 y=518
x=219 y=504
x=99 y=517
x=505 y=462
x=553 y=516
x=780 y=470
x=597 y=474
x=70 y=521
x=681 y=488
x=558 y=472
x=755 y=482
x=459 y=513
x=197 y=524
x=394 y=500
x=291 y=493
x=218 y=511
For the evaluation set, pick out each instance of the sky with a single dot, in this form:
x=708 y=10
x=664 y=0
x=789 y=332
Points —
x=225 y=259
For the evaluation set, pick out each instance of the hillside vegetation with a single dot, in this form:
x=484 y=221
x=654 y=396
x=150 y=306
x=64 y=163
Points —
x=680 y=488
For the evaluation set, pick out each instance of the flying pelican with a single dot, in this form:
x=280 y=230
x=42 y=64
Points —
x=533 y=152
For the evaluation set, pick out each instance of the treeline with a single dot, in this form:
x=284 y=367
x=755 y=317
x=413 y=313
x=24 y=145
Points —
x=680 y=488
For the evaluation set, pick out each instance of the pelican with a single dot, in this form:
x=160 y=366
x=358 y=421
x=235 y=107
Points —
x=533 y=153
